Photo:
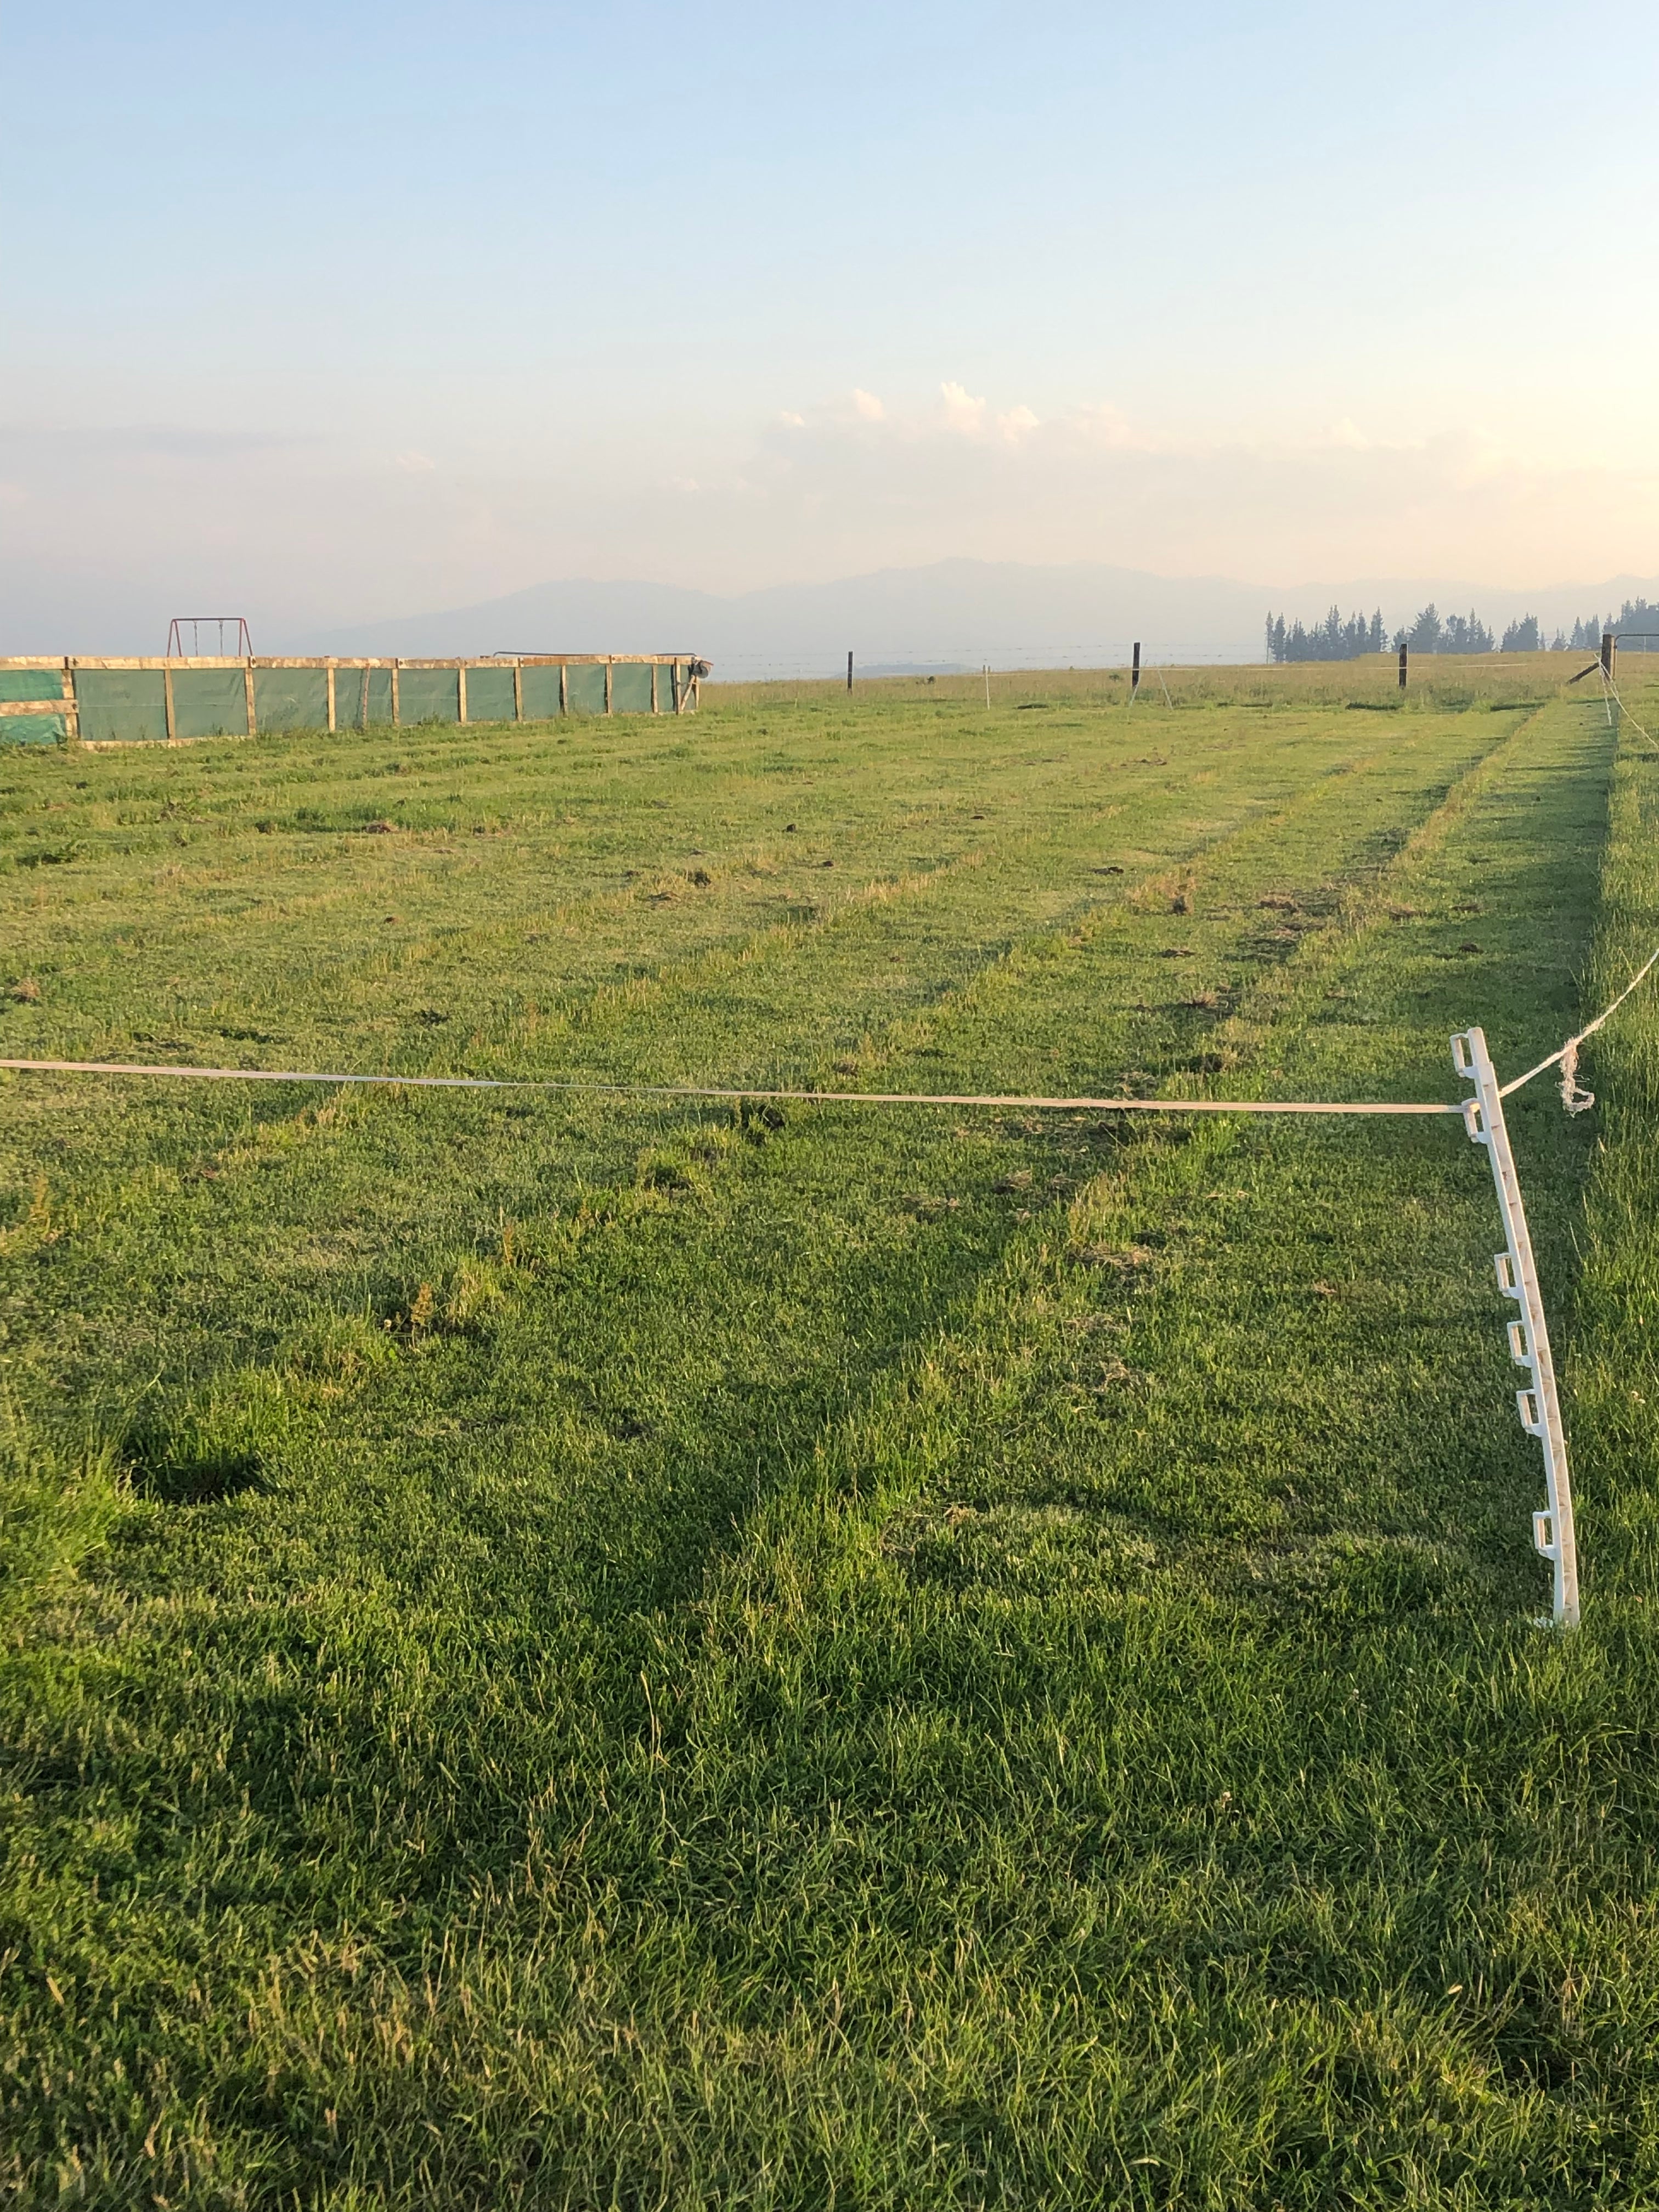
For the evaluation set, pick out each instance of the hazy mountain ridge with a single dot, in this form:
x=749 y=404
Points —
x=949 y=613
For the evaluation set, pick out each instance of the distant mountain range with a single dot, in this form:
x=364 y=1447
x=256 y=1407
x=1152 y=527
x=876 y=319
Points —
x=952 y=614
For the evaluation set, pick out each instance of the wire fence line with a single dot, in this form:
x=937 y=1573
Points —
x=734 y=1094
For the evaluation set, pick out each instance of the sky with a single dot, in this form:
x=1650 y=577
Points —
x=327 y=312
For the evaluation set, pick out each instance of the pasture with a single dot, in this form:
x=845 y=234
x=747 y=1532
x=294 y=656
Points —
x=566 y=1649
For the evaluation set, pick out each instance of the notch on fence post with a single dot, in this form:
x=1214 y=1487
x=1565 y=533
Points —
x=1402 y=667
x=1552 y=1530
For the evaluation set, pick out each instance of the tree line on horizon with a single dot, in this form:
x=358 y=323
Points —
x=1430 y=631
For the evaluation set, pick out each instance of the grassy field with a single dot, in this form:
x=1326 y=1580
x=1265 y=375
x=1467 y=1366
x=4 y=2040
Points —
x=562 y=1651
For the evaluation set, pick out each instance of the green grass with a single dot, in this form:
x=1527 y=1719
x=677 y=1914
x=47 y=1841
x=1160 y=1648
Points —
x=570 y=1651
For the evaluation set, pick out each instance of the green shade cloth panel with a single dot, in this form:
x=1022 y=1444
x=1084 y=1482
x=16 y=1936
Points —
x=541 y=694
x=31 y=729
x=585 y=687
x=349 y=713
x=630 y=688
x=209 y=702
x=349 y=698
x=290 y=699
x=427 y=694
x=31 y=684
x=129 y=703
x=489 y=695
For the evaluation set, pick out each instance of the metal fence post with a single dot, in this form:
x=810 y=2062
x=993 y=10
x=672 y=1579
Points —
x=1552 y=1529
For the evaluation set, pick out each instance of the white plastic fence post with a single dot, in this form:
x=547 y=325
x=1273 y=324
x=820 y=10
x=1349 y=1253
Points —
x=1529 y=1340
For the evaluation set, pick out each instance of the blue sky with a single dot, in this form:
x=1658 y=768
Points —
x=345 y=309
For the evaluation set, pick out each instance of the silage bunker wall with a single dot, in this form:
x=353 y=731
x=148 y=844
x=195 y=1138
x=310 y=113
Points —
x=139 y=701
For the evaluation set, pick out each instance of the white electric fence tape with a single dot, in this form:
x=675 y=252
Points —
x=697 y=1091
x=1565 y=1055
x=1482 y=1117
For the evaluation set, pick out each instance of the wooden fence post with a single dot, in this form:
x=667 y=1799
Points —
x=397 y=705
x=247 y=694
x=1134 y=670
x=460 y=689
x=849 y=671
x=564 y=687
x=331 y=698
x=362 y=707
x=1402 y=667
x=166 y=695
x=518 y=690
x=607 y=684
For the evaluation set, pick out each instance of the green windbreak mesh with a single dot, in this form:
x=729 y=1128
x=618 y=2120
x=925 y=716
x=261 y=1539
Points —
x=630 y=687
x=349 y=698
x=209 y=702
x=585 y=687
x=129 y=704
x=541 y=694
x=31 y=682
x=290 y=699
x=489 y=695
x=121 y=702
x=31 y=729
x=427 y=694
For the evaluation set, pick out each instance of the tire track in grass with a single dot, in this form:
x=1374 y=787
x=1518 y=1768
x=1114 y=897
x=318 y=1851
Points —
x=1392 y=1057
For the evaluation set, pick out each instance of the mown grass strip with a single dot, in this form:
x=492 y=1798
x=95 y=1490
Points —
x=813 y=1676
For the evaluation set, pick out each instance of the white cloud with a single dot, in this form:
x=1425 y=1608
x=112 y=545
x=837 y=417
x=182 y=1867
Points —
x=415 y=464
x=965 y=416
x=867 y=407
x=1100 y=423
x=962 y=413
x=963 y=475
